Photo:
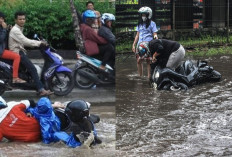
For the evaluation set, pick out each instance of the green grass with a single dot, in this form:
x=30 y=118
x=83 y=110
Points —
x=206 y=46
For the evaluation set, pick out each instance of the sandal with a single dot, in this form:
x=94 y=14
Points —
x=46 y=93
x=18 y=80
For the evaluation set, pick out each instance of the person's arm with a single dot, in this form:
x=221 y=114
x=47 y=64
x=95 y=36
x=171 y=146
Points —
x=17 y=35
x=95 y=37
x=107 y=34
x=2 y=35
x=135 y=42
x=154 y=30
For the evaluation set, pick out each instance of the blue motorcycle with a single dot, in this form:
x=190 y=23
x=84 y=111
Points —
x=87 y=72
x=53 y=74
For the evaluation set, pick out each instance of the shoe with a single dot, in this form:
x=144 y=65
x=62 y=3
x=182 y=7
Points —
x=18 y=80
x=45 y=93
x=102 y=67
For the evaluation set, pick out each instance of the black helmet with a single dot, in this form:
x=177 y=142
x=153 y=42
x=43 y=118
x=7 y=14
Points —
x=77 y=110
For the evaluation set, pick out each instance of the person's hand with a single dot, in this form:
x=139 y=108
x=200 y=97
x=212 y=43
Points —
x=44 y=43
x=4 y=25
x=154 y=58
x=58 y=104
x=155 y=36
x=29 y=114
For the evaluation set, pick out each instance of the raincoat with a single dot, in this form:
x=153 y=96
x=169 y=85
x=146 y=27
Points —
x=50 y=124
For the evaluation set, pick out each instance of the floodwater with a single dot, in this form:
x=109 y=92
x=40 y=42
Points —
x=105 y=129
x=197 y=122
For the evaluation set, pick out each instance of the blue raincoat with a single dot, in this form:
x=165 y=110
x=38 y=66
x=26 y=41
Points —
x=50 y=124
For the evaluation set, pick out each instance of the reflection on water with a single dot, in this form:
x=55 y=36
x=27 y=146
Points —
x=105 y=129
x=197 y=122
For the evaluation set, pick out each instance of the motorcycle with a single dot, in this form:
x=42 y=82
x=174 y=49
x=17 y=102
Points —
x=53 y=74
x=185 y=76
x=87 y=72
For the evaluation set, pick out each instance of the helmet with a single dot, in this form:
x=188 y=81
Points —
x=2 y=103
x=107 y=17
x=88 y=14
x=77 y=110
x=143 y=49
x=146 y=10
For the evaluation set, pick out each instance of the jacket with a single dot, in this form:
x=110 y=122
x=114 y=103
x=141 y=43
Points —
x=17 y=40
x=106 y=33
x=91 y=40
x=3 y=33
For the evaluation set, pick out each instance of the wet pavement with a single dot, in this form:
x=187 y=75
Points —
x=197 y=122
x=105 y=129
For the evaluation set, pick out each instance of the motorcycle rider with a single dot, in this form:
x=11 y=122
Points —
x=6 y=54
x=95 y=45
x=17 y=41
x=105 y=29
x=165 y=53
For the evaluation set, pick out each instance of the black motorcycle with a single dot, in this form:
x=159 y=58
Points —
x=185 y=76
x=87 y=72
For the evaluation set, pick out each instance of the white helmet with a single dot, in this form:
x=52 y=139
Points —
x=107 y=17
x=2 y=103
x=146 y=10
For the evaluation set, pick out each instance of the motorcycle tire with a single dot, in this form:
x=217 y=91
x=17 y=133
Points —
x=61 y=83
x=82 y=82
x=2 y=89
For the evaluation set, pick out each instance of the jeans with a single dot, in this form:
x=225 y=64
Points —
x=32 y=70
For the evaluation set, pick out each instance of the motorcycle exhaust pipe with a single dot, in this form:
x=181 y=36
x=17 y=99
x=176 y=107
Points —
x=88 y=75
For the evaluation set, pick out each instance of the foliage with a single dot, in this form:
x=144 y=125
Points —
x=52 y=20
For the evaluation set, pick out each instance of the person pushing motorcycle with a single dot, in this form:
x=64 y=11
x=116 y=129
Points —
x=165 y=53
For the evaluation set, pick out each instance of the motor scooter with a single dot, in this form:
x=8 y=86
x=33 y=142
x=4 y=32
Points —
x=87 y=72
x=185 y=76
x=54 y=75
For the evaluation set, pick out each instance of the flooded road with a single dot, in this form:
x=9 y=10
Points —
x=197 y=122
x=105 y=128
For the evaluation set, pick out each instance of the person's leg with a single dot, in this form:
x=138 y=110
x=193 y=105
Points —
x=140 y=66
x=148 y=69
x=16 y=60
x=175 y=58
x=107 y=51
x=32 y=70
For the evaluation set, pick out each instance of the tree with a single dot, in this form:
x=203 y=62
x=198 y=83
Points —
x=76 y=27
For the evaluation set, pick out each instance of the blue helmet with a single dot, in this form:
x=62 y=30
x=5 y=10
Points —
x=88 y=14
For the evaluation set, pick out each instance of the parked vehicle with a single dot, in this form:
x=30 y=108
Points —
x=53 y=74
x=186 y=75
x=87 y=72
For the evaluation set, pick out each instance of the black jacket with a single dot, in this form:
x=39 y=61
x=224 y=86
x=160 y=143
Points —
x=3 y=33
x=106 y=33
x=164 y=48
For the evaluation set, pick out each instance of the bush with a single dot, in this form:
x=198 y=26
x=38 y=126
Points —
x=52 y=20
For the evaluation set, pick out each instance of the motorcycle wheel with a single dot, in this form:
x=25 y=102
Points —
x=61 y=83
x=82 y=82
